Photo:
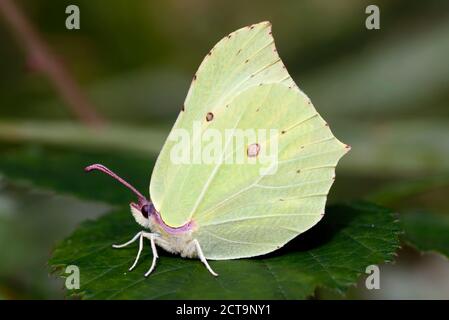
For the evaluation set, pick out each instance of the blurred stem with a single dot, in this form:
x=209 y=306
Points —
x=45 y=61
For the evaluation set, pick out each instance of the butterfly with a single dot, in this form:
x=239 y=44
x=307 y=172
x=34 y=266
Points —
x=247 y=166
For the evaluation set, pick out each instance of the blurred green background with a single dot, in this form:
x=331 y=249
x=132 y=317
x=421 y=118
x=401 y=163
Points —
x=384 y=92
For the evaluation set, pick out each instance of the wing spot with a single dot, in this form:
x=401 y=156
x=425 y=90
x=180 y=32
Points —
x=253 y=150
x=298 y=171
x=283 y=132
x=247 y=60
x=209 y=116
x=194 y=77
x=238 y=52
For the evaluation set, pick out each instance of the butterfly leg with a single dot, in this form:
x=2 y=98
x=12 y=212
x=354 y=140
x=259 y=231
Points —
x=127 y=243
x=138 y=252
x=202 y=257
x=151 y=237
x=138 y=235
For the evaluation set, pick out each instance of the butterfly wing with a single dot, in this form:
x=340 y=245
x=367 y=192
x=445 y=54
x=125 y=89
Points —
x=238 y=210
x=241 y=60
x=244 y=213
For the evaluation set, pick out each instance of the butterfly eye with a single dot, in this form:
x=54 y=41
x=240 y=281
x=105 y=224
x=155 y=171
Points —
x=145 y=211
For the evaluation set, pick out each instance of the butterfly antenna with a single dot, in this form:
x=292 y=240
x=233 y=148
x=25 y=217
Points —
x=110 y=173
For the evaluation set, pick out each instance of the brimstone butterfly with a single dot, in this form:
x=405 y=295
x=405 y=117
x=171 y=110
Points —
x=225 y=209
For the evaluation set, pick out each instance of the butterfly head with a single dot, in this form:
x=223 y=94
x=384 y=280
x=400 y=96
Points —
x=142 y=212
x=143 y=209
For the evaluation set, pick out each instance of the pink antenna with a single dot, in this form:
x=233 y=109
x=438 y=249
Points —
x=103 y=169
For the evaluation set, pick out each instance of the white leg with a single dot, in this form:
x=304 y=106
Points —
x=151 y=237
x=138 y=252
x=203 y=258
x=127 y=243
x=138 y=235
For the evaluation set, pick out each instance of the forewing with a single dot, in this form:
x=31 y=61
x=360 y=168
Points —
x=239 y=210
x=244 y=59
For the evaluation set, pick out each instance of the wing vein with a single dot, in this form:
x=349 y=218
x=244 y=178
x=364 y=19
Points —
x=239 y=242
x=261 y=217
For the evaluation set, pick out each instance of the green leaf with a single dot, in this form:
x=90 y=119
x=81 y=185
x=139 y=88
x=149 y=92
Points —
x=333 y=254
x=28 y=235
x=423 y=229
x=427 y=231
